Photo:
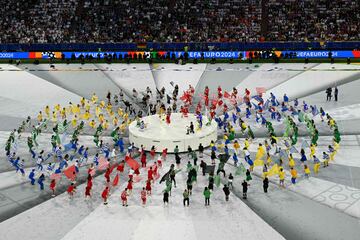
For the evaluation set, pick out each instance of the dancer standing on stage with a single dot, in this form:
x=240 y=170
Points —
x=168 y=115
x=143 y=196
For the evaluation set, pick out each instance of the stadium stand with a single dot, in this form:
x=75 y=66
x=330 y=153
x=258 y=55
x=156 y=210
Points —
x=89 y=21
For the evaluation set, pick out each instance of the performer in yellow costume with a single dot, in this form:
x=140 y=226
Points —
x=268 y=159
x=111 y=113
x=97 y=111
x=82 y=102
x=92 y=124
x=86 y=115
x=115 y=121
x=307 y=171
x=260 y=152
x=101 y=119
x=76 y=109
x=109 y=107
x=126 y=117
x=94 y=98
x=291 y=161
x=106 y=124
x=63 y=113
x=57 y=107
x=246 y=143
x=40 y=117
x=332 y=123
x=74 y=121
x=312 y=151
x=120 y=112
x=102 y=104
x=69 y=108
x=243 y=127
x=87 y=106
x=47 y=111
x=282 y=177
x=54 y=116
x=123 y=127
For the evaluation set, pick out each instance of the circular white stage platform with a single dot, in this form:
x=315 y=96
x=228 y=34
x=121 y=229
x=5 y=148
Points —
x=157 y=133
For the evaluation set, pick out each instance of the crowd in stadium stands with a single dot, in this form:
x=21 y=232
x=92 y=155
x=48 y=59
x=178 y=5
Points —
x=331 y=20
x=37 y=21
x=61 y=21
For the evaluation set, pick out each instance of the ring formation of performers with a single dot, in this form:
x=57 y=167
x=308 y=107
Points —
x=58 y=145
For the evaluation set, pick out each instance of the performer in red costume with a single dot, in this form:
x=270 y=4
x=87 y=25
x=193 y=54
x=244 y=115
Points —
x=163 y=155
x=150 y=174
x=220 y=102
x=225 y=108
x=143 y=159
x=206 y=100
x=52 y=187
x=198 y=108
x=168 y=115
x=130 y=185
x=247 y=92
x=206 y=91
x=184 y=110
x=121 y=167
x=123 y=197
x=212 y=114
x=247 y=96
x=191 y=90
x=186 y=98
x=214 y=102
x=206 y=96
x=105 y=195
x=143 y=196
x=219 y=92
x=148 y=187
